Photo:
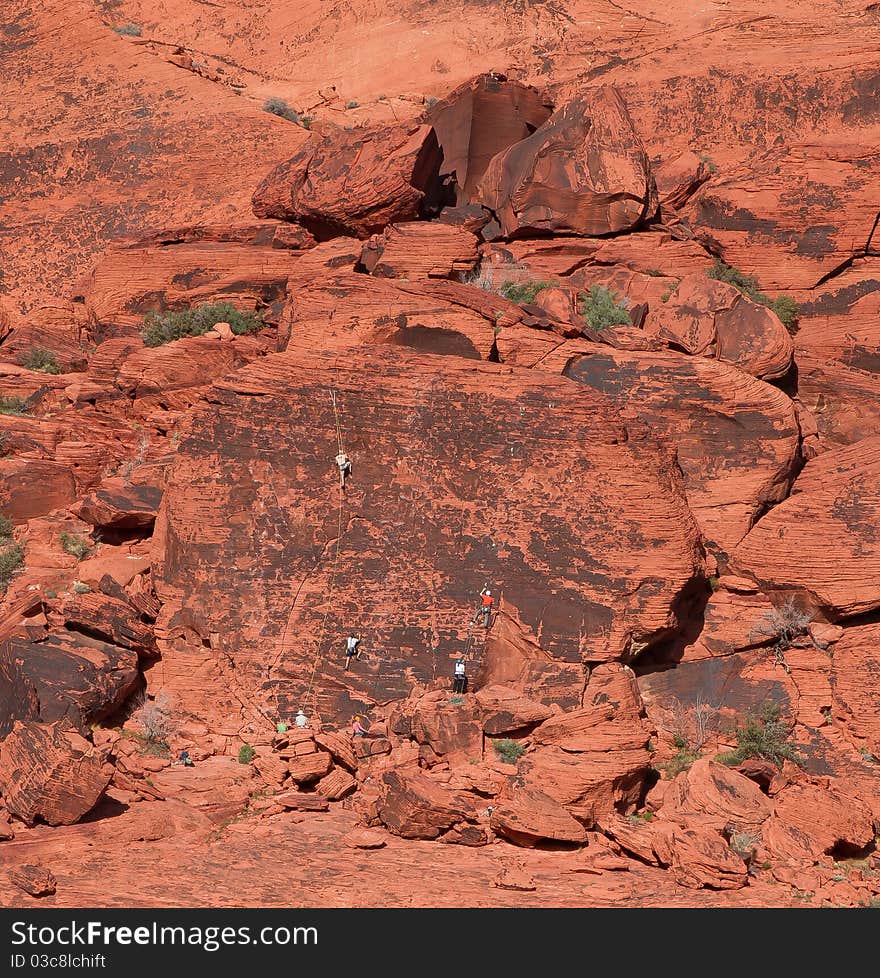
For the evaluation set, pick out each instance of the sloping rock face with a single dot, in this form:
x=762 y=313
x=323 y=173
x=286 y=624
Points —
x=49 y=773
x=355 y=184
x=529 y=816
x=841 y=511
x=477 y=448
x=480 y=119
x=584 y=171
x=140 y=144
x=736 y=438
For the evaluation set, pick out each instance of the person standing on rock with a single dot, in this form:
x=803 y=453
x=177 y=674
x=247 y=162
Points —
x=301 y=719
x=344 y=463
x=459 y=683
x=352 y=650
x=357 y=728
x=485 y=609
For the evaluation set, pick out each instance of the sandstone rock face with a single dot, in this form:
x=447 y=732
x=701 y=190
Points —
x=49 y=773
x=584 y=171
x=855 y=670
x=37 y=881
x=480 y=119
x=720 y=798
x=269 y=439
x=186 y=267
x=840 y=511
x=747 y=428
x=699 y=857
x=355 y=184
x=420 y=250
x=130 y=133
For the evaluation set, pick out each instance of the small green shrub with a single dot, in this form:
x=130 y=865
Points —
x=508 y=751
x=523 y=293
x=73 y=544
x=80 y=588
x=129 y=30
x=12 y=405
x=683 y=758
x=764 y=737
x=456 y=701
x=654 y=273
x=352 y=104
x=277 y=106
x=710 y=163
x=165 y=327
x=713 y=583
x=5 y=528
x=601 y=308
x=39 y=359
x=785 y=307
x=246 y=754
x=11 y=559
x=743 y=844
x=665 y=297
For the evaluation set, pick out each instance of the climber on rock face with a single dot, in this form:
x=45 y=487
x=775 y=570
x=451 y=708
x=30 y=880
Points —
x=352 y=649
x=485 y=609
x=344 y=464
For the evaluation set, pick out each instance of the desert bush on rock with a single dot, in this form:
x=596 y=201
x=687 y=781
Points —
x=11 y=405
x=508 y=750
x=164 y=327
x=785 y=307
x=523 y=293
x=764 y=737
x=694 y=724
x=246 y=754
x=73 y=544
x=5 y=529
x=129 y=30
x=154 y=718
x=11 y=559
x=277 y=106
x=683 y=758
x=601 y=308
x=39 y=359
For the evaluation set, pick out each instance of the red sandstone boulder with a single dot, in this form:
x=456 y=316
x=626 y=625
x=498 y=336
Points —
x=50 y=773
x=73 y=675
x=119 y=506
x=699 y=857
x=527 y=816
x=354 y=183
x=810 y=821
x=336 y=785
x=36 y=881
x=415 y=807
x=592 y=761
x=448 y=727
x=363 y=838
x=584 y=171
x=306 y=768
x=478 y=120
x=504 y=710
x=339 y=747
x=705 y=317
x=716 y=796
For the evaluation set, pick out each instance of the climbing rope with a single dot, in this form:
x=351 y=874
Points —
x=311 y=689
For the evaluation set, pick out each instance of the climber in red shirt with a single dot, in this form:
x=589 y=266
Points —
x=485 y=609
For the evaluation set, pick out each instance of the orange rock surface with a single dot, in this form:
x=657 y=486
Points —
x=477 y=242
